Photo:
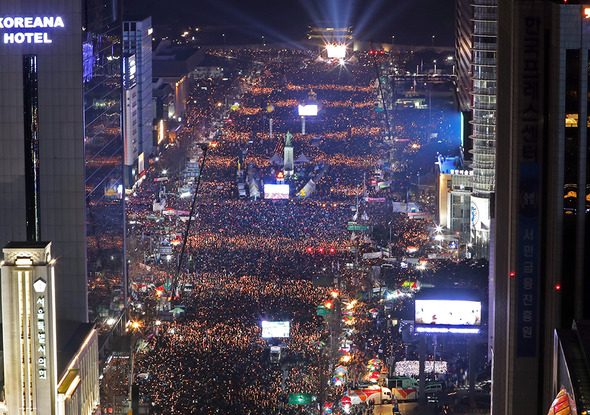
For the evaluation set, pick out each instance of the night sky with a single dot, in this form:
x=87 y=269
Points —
x=413 y=22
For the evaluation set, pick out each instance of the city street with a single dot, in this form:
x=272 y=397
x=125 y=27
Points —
x=249 y=257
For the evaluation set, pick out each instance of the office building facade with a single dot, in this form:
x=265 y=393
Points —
x=104 y=152
x=137 y=42
x=29 y=328
x=483 y=121
x=463 y=58
x=41 y=138
x=50 y=366
x=454 y=186
x=541 y=251
x=131 y=128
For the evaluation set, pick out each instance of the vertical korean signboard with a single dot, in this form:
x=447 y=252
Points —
x=40 y=327
x=529 y=131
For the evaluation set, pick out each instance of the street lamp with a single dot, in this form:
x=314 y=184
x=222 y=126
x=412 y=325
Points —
x=263 y=41
x=223 y=36
x=435 y=67
x=432 y=40
x=392 y=40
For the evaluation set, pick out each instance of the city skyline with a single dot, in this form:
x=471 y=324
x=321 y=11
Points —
x=235 y=221
x=411 y=22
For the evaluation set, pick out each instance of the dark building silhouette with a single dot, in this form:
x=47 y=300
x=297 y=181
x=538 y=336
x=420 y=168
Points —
x=542 y=260
x=61 y=148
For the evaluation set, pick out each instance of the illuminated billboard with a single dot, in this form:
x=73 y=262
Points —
x=480 y=213
x=275 y=329
x=305 y=110
x=447 y=311
x=34 y=28
x=412 y=367
x=276 y=191
x=336 y=51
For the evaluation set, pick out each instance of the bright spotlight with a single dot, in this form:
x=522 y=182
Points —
x=336 y=51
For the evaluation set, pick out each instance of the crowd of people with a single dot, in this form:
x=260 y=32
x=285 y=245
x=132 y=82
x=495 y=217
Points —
x=253 y=260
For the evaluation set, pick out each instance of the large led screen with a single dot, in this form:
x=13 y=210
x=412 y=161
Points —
x=447 y=316
x=336 y=51
x=276 y=191
x=310 y=109
x=272 y=329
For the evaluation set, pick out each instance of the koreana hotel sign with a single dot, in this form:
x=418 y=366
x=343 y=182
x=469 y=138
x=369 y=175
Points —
x=29 y=29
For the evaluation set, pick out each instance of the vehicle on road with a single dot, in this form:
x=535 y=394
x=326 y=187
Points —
x=275 y=354
x=433 y=388
x=376 y=394
x=403 y=388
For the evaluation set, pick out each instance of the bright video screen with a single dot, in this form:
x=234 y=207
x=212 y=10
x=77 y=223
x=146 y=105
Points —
x=276 y=191
x=311 y=109
x=336 y=51
x=412 y=367
x=271 y=329
x=448 y=312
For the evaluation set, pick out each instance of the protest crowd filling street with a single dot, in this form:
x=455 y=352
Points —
x=252 y=259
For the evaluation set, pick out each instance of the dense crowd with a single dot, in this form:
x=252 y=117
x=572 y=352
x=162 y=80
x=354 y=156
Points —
x=249 y=261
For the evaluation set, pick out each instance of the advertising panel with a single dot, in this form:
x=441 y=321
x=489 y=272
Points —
x=480 y=213
x=274 y=329
x=276 y=191
x=412 y=367
x=310 y=109
x=447 y=310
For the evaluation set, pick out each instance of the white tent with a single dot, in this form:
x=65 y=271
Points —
x=302 y=159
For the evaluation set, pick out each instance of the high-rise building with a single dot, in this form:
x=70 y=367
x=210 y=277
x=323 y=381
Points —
x=41 y=138
x=50 y=366
x=463 y=70
x=542 y=198
x=104 y=151
x=131 y=128
x=454 y=197
x=463 y=53
x=28 y=312
x=137 y=42
x=483 y=121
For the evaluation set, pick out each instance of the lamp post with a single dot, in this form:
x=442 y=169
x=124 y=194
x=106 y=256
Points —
x=433 y=40
x=392 y=41
x=223 y=36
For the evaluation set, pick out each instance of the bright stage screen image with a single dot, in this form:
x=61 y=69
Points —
x=310 y=109
x=271 y=329
x=336 y=51
x=448 y=312
x=276 y=191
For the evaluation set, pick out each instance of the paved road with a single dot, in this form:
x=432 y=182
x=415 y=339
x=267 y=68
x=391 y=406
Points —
x=412 y=408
